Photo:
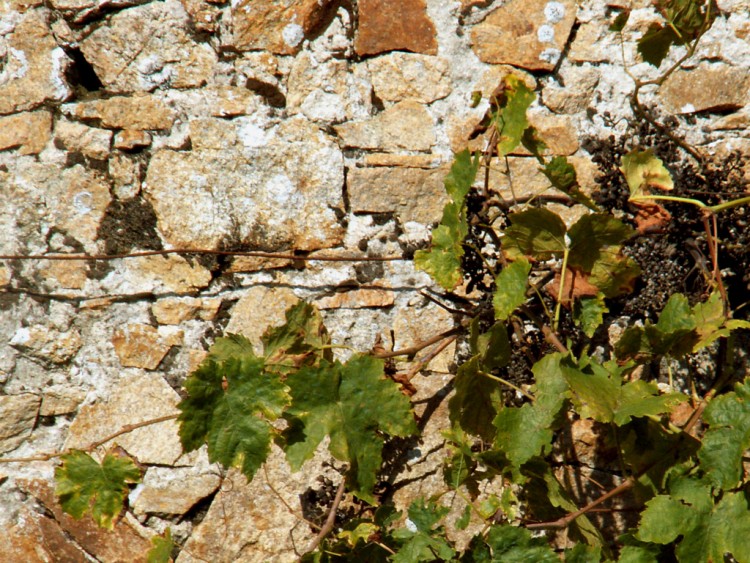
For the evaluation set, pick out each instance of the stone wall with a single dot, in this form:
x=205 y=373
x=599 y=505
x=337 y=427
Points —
x=309 y=126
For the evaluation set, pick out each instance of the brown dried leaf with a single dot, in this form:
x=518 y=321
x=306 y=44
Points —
x=650 y=217
x=577 y=285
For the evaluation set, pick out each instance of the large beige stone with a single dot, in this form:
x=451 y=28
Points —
x=406 y=125
x=709 y=87
x=273 y=25
x=48 y=344
x=330 y=91
x=400 y=76
x=171 y=273
x=26 y=131
x=413 y=194
x=143 y=346
x=141 y=111
x=526 y=33
x=175 y=310
x=17 y=417
x=278 y=194
x=168 y=490
x=357 y=299
x=576 y=95
x=33 y=69
x=148 y=46
x=76 y=137
x=257 y=310
x=136 y=398
x=391 y=25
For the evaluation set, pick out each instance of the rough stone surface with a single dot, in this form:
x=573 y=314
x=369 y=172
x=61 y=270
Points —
x=258 y=309
x=130 y=139
x=391 y=25
x=138 y=397
x=174 y=490
x=406 y=125
x=139 y=112
x=281 y=194
x=143 y=346
x=330 y=91
x=17 y=416
x=33 y=69
x=278 y=27
x=357 y=299
x=175 y=310
x=90 y=141
x=146 y=47
x=709 y=87
x=45 y=343
x=413 y=194
x=28 y=132
x=400 y=76
x=526 y=33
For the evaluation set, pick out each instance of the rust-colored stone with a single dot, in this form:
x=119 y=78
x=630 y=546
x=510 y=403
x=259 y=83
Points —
x=390 y=25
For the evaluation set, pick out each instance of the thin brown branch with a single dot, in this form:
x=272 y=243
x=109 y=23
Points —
x=422 y=362
x=91 y=447
x=330 y=520
x=411 y=350
x=202 y=251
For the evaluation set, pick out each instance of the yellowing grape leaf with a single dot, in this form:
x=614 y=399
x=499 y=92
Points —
x=301 y=340
x=511 y=284
x=643 y=170
x=83 y=485
x=510 y=119
x=355 y=405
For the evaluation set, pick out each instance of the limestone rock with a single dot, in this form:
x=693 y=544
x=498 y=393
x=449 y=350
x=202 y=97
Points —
x=65 y=274
x=330 y=91
x=48 y=344
x=400 y=76
x=278 y=194
x=212 y=133
x=59 y=399
x=130 y=139
x=557 y=131
x=136 y=398
x=230 y=101
x=410 y=329
x=403 y=160
x=33 y=69
x=357 y=299
x=175 y=310
x=258 y=309
x=526 y=33
x=76 y=137
x=138 y=112
x=273 y=26
x=125 y=173
x=413 y=194
x=709 y=87
x=167 y=490
x=246 y=521
x=203 y=15
x=81 y=538
x=26 y=131
x=148 y=46
x=580 y=83
x=406 y=125
x=164 y=273
x=143 y=346
x=17 y=417
x=593 y=44
x=390 y=25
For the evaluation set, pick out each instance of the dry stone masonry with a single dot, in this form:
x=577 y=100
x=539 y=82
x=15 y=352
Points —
x=310 y=126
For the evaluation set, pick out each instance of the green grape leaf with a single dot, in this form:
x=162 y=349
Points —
x=598 y=392
x=230 y=346
x=562 y=175
x=523 y=433
x=476 y=400
x=656 y=42
x=620 y=21
x=443 y=260
x=538 y=233
x=509 y=543
x=511 y=284
x=583 y=553
x=229 y=407
x=162 y=550
x=463 y=521
x=361 y=532
x=354 y=404
x=510 y=119
x=301 y=340
x=727 y=437
x=708 y=530
x=591 y=235
x=83 y=485
x=643 y=170
x=421 y=540
x=461 y=176
x=588 y=313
